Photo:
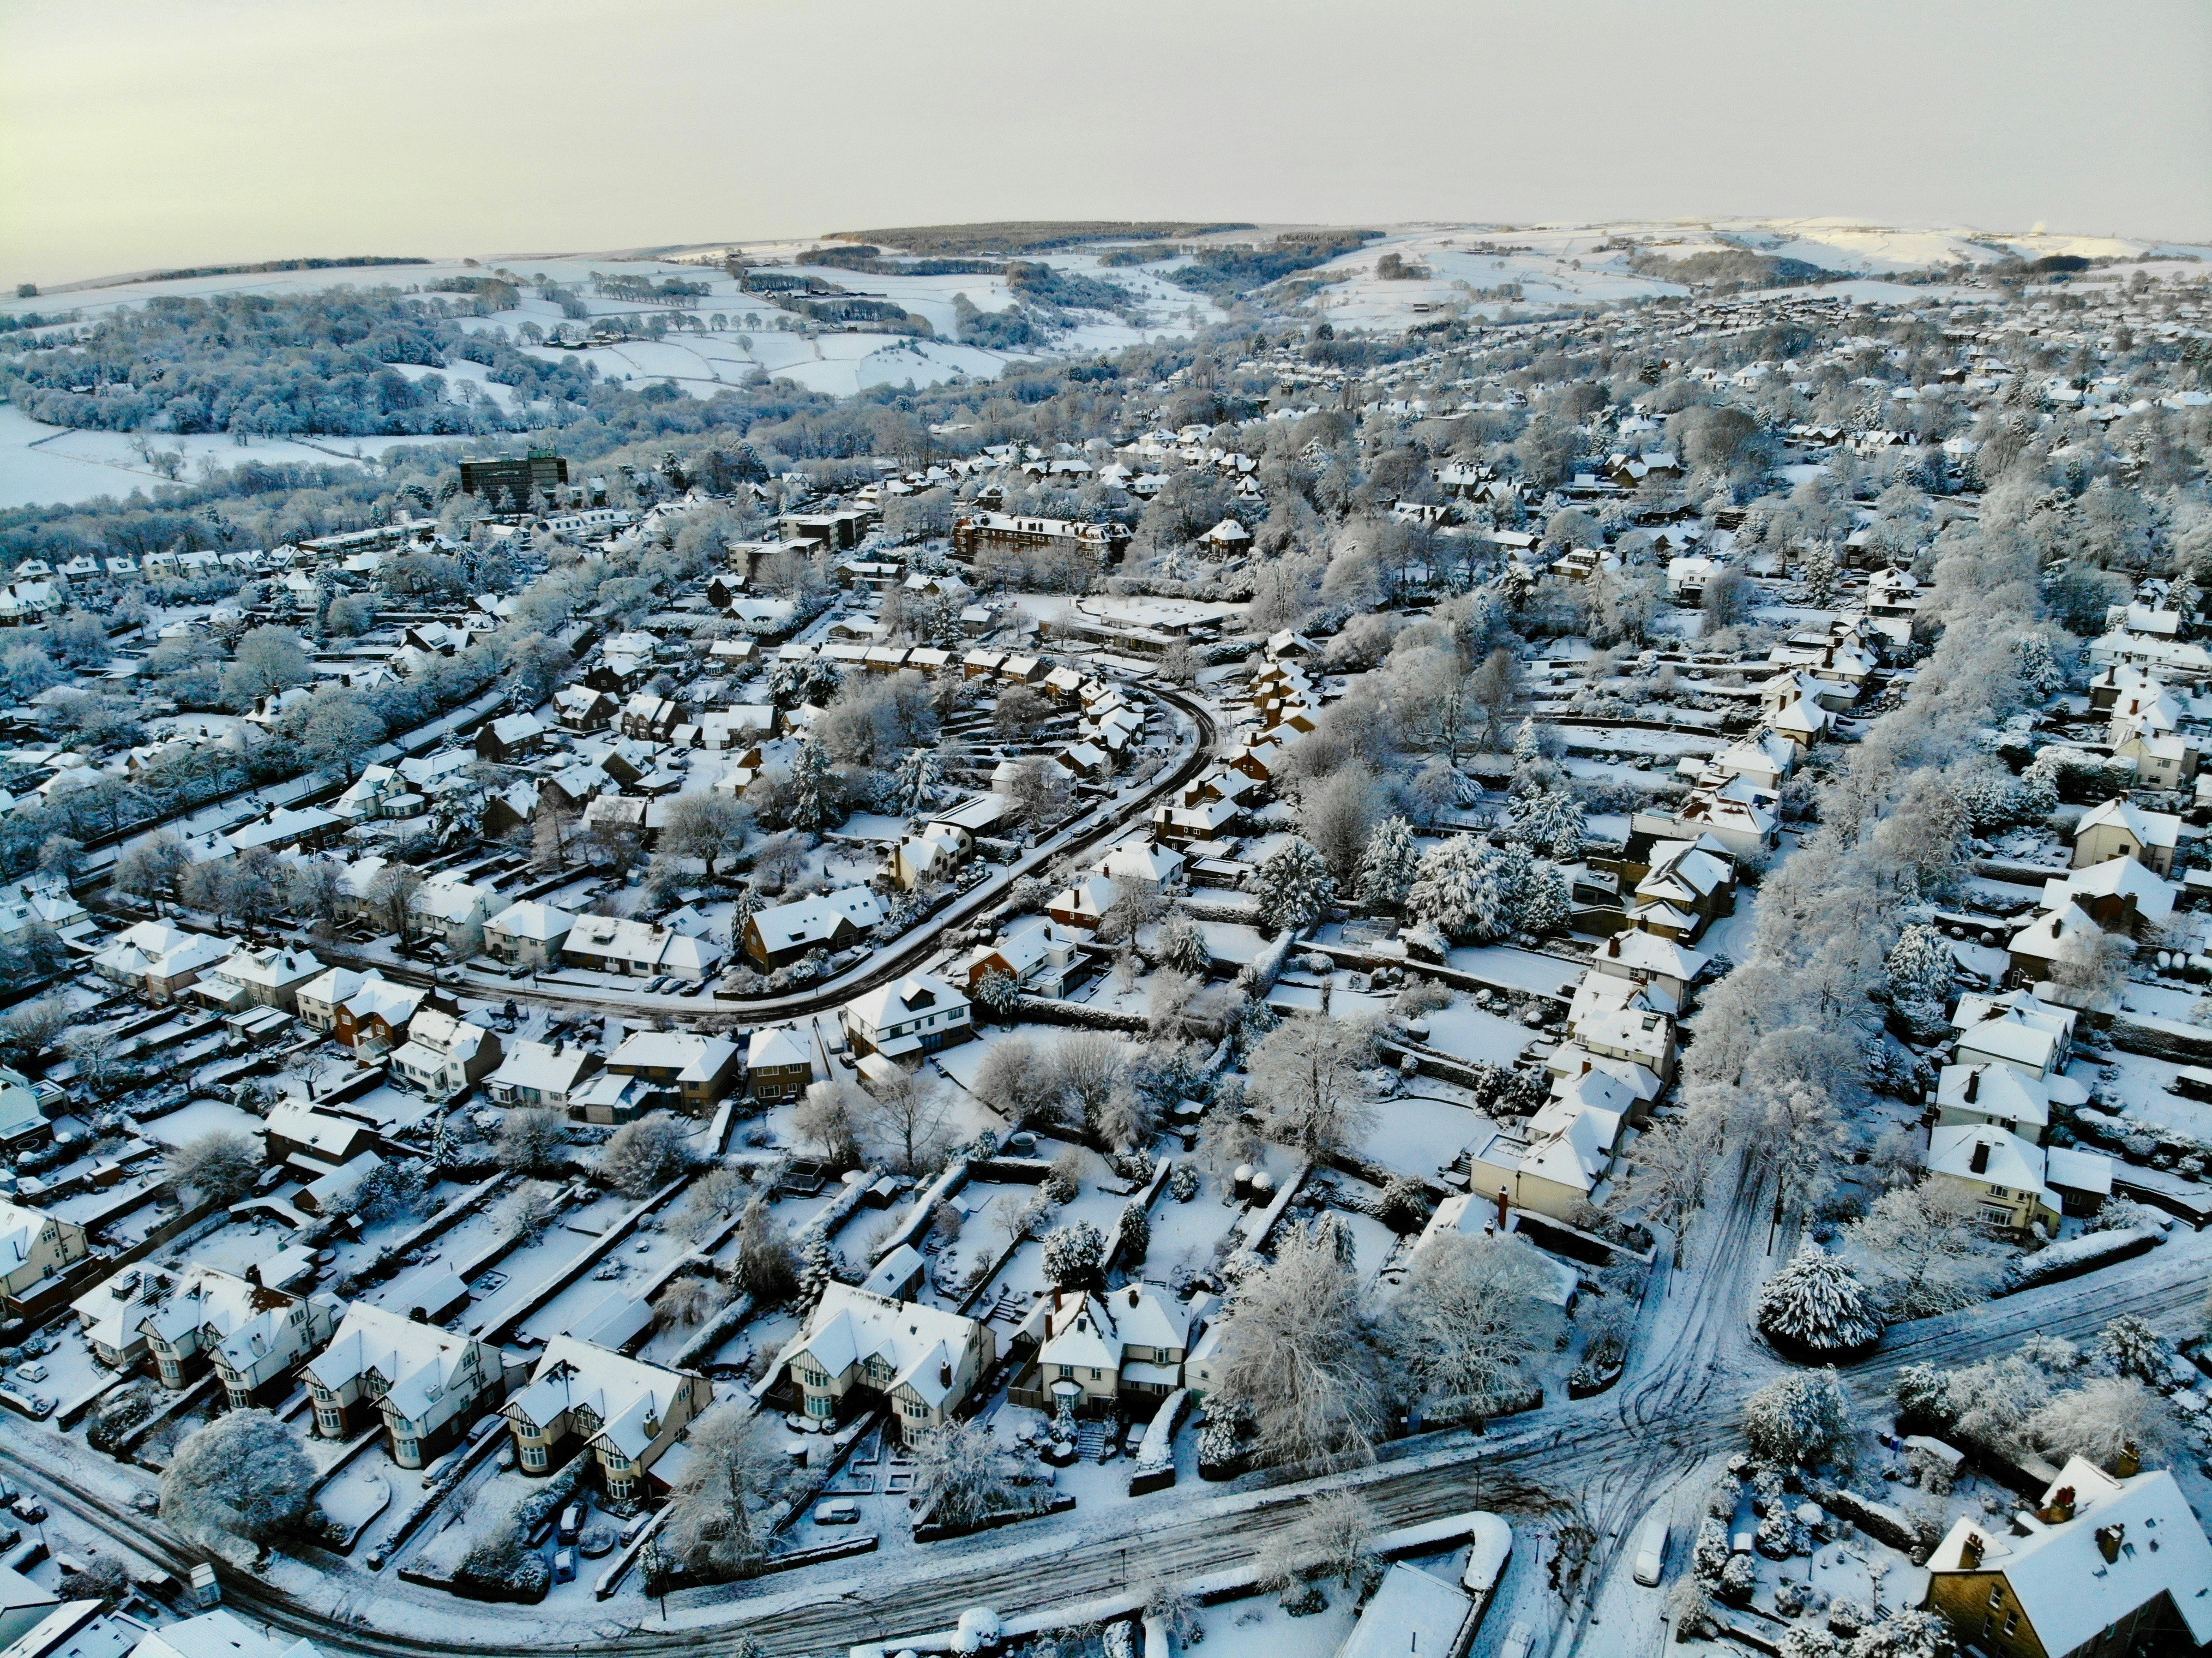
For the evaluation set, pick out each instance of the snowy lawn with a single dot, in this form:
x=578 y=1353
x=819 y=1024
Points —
x=1420 y=1133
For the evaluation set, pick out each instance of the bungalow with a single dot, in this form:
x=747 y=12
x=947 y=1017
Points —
x=314 y=1141
x=605 y=944
x=920 y=1013
x=858 y=1348
x=426 y=1384
x=528 y=934
x=779 y=1063
x=1143 y=861
x=625 y=1411
x=695 y=1070
x=2080 y=1577
x=444 y=1055
x=830 y=921
x=37 y=1249
x=541 y=1073
x=2117 y=830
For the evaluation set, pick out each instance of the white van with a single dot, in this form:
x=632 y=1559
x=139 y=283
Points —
x=1652 y=1550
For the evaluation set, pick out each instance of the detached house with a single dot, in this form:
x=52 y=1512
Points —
x=1123 y=1350
x=444 y=1055
x=2117 y=830
x=541 y=1073
x=623 y=1412
x=158 y=960
x=858 y=1348
x=605 y=944
x=580 y=708
x=918 y=1014
x=779 y=1063
x=37 y=1249
x=2109 y=1565
x=695 y=1071
x=509 y=738
x=426 y=1384
x=832 y=921
x=528 y=934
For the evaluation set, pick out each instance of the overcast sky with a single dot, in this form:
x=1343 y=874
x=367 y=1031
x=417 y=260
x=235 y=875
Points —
x=139 y=133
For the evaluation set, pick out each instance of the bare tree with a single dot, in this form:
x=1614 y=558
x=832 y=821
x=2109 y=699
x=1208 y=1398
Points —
x=220 y=1167
x=1475 y=1312
x=642 y=1157
x=911 y=1117
x=533 y=1140
x=1305 y=1076
x=1298 y=1362
x=829 y=1118
x=717 y=1527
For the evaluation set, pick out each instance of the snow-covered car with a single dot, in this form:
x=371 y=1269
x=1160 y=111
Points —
x=1651 y=1550
x=564 y=1565
x=31 y=1371
x=572 y=1523
x=838 y=1511
x=1519 y=1642
x=30 y=1510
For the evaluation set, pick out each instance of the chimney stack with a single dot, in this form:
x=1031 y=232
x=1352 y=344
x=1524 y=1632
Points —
x=2108 y=1540
x=1973 y=1085
x=2061 y=1509
x=1970 y=1552
x=1980 y=1165
x=1502 y=1206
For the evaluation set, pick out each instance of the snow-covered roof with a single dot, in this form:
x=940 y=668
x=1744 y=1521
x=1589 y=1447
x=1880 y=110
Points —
x=1997 y=1092
x=2148 y=829
x=776 y=1046
x=629 y=1397
x=850 y=1326
x=544 y=1066
x=693 y=1056
x=814 y=920
x=532 y=919
x=2130 y=1542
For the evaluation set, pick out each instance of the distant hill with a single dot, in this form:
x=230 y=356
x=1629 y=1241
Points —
x=1025 y=236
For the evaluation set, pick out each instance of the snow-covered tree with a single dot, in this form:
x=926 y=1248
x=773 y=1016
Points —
x=220 y=1166
x=1528 y=747
x=1921 y=966
x=997 y=994
x=1388 y=866
x=920 y=778
x=1800 y=1418
x=2102 y=1418
x=716 y=1525
x=2038 y=795
x=1927 y=1250
x=1332 y=1539
x=641 y=1157
x=1295 y=888
x=1810 y=1641
x=1472 y=1316
x=1182 y=946
x=1297 y=1360
x=240 y=1480
x=1908 y=1632
x=1304 y=1078
x=1988 y=797
x=813 y=787
x=1547 y=821
x=964 y=1474
x=1456 y=891
x=1546 y=900
x=817 y=1264
x=2132 y=1348
x=1074 y=1255
x=1815 y=1303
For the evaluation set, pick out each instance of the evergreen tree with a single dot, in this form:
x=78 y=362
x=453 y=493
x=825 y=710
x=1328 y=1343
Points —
x=1920 y=966
x=1817 y=1303
x=1528 y=747
x=1547 y=821
x=1546 y=900
x=1296 y=887
x=999 y=993
x=1800 y=1418
x=817 y=1267
x=814 y=804
x=1387 y=868
x=1073 y=1255
x=920 y=777
x=1182 y=946
x=2038 y=795
x=1456 y=891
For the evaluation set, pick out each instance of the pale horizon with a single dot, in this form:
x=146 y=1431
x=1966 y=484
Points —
x=136 y=135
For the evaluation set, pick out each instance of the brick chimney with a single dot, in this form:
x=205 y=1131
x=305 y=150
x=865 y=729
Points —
x=1973 y=1085
x=2060 y=1507
x=1970 y=1552
x=1980 y=1164
x=2109 y=1539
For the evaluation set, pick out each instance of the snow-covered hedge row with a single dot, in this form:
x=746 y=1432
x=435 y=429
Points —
x=2076 y=1256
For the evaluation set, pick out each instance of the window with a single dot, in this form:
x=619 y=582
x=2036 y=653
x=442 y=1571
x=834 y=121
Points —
x=819 y=1404
x=1996 y=1594
x=329 y=1421
x=533 y=1457
x=408 y=1449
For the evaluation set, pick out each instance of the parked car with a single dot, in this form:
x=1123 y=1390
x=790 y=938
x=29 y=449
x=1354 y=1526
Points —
x=1651 y=1550
x=33 y=1371
x=838 y=1511
x=1519 y=1642
x=564 y=1565
x=30 y=1510
x=572 y=1523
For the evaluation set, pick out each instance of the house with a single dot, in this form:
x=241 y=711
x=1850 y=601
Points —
x=426 y=1384
x=2016 y=1029
x=158 y=960
x=2120 y=894
x=507 y=739
x=1002 y=533
x=606 y=943
x=22 y=1121
x=444 y=1055
x=248 y=977
x=1227 y=539
x=934 y=854
x=365 y=1011
x=2036 y=947
x=380 y=792
x=528 y=934
x=314 y=1141
x=650 y=719
x=541 y=1073
x=36 y=1622
x=1123 y=1350
x=580 y=708
x=625 y=1413
x=779 y=1063
x=310 y=828
x=2117 y=830
x=2002 y=1172
x=1084 y=904
x=697 y=1070
x=604 y=1097
x=1645 y=958
x=2166 y=761
x=831 y=921
x=219 y=1635
x=1184 y=826
x=256 y=1357
x=1690 y=886
x=37 y=1249
x=183 y=1324
x=1410 y=1606
x=1552 y=1166
x=858 y=1348
x=1145 y=861
x=1634 y=1034
x=2106 y=1563
x=917 y=1014
x=1036 y=952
